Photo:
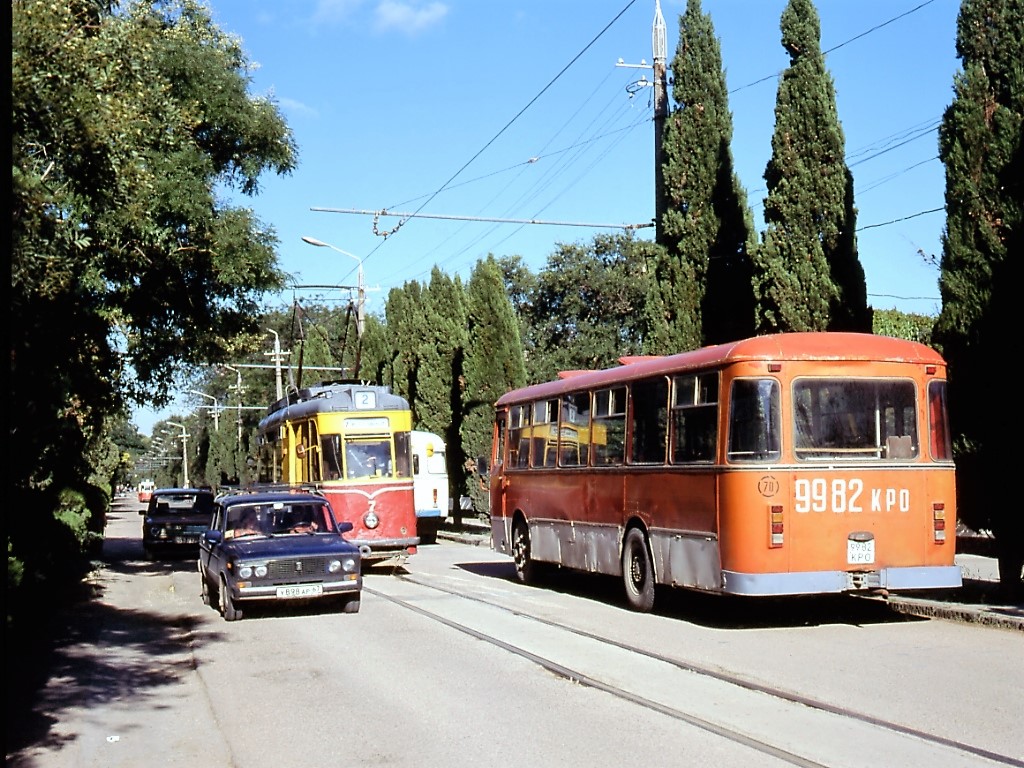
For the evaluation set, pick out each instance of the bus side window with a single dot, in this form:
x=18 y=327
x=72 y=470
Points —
x=545 y=433
x=649 y=421
x=499 y=431
x=574 y=430
x=609 y=434
x=754 y=427
x=938 y=422
x=695 y=418
x=519 y=436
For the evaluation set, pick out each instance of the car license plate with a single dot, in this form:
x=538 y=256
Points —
x=186 y=539
x=860 y=552
x=301 y=590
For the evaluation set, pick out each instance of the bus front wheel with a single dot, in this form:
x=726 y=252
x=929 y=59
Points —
x=526 y=568
x=637 y=572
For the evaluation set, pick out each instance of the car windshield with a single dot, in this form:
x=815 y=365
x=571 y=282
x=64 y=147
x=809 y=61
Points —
x=277 y=519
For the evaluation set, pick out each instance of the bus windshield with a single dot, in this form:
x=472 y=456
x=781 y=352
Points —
x=854 y=418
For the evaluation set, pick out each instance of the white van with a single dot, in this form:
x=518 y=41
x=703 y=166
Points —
x=430 y=484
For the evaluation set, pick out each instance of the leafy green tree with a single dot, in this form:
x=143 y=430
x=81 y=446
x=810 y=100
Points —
x=493 y=365
x=903 y=325
x=589 y=306
x=980 y=143
x=131 y=125
x=703 y=285
x=807 y=274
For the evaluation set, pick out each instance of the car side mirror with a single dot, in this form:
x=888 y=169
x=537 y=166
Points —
x=345 y=526
x=213 y=537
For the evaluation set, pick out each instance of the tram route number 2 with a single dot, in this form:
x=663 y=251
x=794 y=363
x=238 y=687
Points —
x=841 y=495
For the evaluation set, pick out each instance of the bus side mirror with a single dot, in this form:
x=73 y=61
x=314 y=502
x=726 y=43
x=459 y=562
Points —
x=481 y=465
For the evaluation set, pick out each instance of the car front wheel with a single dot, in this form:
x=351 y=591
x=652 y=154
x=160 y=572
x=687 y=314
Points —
x=227 y=603
x=351 y=605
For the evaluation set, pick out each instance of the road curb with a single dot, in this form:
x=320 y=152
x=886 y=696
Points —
x=1004 y=617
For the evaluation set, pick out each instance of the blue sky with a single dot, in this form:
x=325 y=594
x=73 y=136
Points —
x=496 y=109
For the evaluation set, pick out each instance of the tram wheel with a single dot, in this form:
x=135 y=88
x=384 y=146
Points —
x=637 y=572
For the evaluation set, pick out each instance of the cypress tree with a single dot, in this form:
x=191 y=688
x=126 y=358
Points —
x=703 y=282
x=377 y=354
x=493 y=365
x=440 y=355
x=980 y=143
x=404 y=314
x=808 y=276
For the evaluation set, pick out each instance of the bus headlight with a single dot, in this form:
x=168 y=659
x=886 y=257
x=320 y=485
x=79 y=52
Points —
x=371 y=520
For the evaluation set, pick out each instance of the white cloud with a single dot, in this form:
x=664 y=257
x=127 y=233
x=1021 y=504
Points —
x=297 y=107
x=408 y=17
x=335 y=11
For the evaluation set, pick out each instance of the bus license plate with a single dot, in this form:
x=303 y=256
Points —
x=301 y=590
x=860 y=552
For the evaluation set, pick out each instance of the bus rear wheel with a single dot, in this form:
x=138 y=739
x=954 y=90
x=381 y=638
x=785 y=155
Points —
x=637 y=572
x=526 y=568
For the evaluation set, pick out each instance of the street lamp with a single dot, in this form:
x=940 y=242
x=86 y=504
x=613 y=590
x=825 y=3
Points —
x=184 y=451
x=216 y=407
x=361 y=301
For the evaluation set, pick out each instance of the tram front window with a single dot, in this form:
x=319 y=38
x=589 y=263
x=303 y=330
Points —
x=368 y=459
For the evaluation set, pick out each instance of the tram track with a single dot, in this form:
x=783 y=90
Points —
x=803 y=717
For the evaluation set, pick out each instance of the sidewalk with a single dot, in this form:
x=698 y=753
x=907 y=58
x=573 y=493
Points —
x=978 y=601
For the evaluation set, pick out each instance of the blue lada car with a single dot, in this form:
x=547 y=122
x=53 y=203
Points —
x=174 y=519
x=277 y=547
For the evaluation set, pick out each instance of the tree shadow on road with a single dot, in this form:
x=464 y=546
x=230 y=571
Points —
x=81 y=651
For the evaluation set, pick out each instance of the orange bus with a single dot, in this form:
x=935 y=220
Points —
x=788 y=464
x=351 y=442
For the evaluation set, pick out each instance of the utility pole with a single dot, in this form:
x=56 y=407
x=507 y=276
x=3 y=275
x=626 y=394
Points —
x=278 y=357
x=659 y=44
x=184 y=452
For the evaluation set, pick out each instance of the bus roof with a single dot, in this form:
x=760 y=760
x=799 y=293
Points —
x=824 y=346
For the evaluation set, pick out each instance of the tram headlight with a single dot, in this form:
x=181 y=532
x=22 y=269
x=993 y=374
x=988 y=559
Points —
x=371 y=520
